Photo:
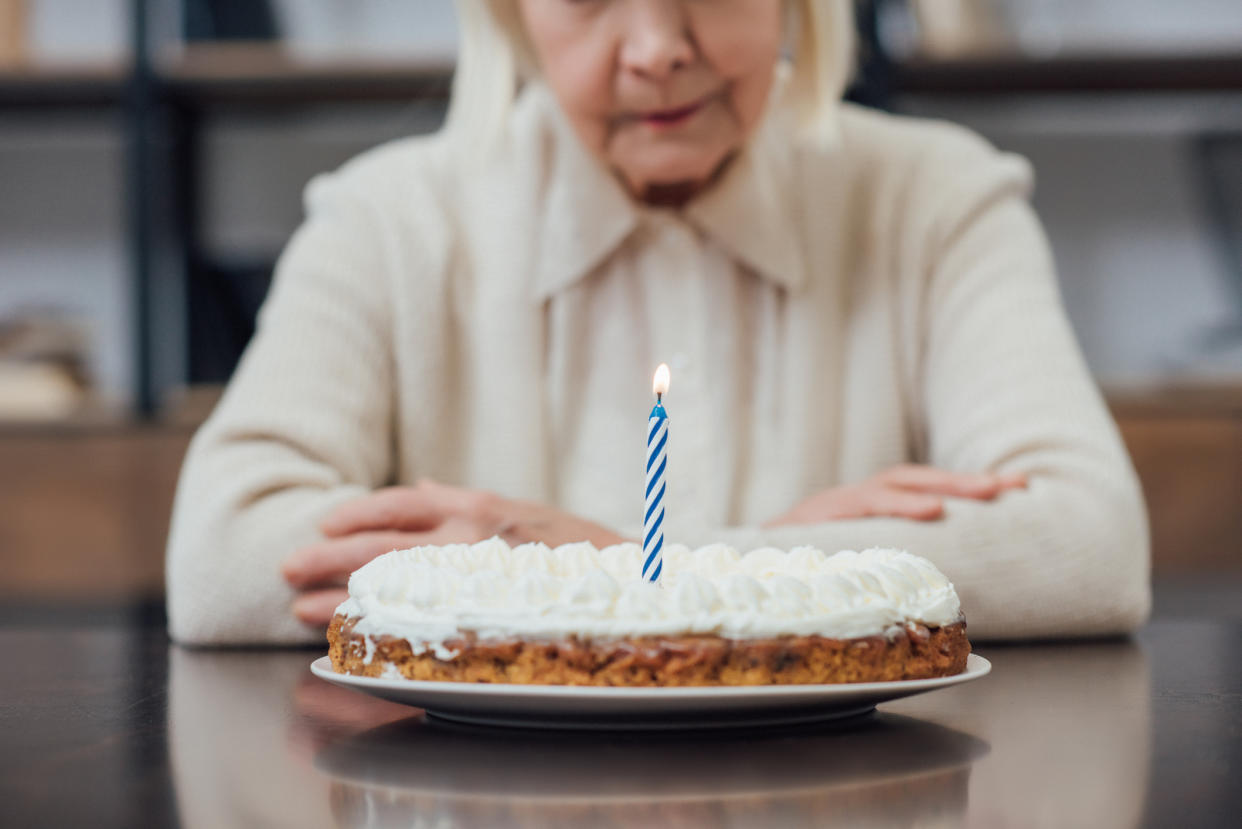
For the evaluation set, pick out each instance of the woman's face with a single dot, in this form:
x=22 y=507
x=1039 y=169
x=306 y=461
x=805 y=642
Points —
x=663 y=91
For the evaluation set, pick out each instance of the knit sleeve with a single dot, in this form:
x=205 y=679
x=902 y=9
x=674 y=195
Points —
x=305 y=424
x=1002 y=386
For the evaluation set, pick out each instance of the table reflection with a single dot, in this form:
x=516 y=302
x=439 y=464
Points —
x=1070 y=730
x=1056 y=735
x=881 y=770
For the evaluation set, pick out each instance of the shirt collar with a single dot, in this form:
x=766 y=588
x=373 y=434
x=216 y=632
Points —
x=586 y=213
x=751 y=211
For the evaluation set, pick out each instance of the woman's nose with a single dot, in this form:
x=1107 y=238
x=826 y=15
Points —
x=657 y=39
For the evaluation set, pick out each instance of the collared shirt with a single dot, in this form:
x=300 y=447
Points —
x=827 y=311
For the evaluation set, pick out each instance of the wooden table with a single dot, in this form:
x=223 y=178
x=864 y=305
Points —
x=107 y=724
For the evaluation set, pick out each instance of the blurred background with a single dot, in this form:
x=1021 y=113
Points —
x=153 y=152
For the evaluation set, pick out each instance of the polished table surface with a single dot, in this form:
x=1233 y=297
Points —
x=107 y=724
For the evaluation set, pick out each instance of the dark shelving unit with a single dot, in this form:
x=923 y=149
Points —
x=209 y=81
x=164 y=106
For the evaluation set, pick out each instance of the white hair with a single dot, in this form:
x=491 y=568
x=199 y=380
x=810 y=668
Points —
x=495 y=58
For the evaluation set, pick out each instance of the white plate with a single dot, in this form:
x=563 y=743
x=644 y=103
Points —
x=569 y=706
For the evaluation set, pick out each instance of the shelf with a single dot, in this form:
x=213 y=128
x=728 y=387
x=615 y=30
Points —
x=94 y=416
x=35 y=86
x=1221 y=400
x=181 y=412
x=250 y=73
x=230 y=74
x=1012 y=74
x=266 y=74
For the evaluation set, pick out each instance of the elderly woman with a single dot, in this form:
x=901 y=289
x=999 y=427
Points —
x=860 y=312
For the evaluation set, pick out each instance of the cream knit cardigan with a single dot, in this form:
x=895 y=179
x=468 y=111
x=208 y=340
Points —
x=827 y=311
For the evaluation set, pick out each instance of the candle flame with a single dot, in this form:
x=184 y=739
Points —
x=659 y=385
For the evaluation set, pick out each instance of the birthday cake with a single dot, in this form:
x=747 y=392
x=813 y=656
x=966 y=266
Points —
x=575 y=615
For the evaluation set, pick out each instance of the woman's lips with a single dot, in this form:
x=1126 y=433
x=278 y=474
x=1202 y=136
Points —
x=665 y=118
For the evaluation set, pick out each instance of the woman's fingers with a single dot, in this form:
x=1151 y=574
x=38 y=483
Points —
x=870 y=500
x=394 y=508
x=890 y=502
x=927 y=479
x=315 y=607
x=907 y=491
x=418 y=508
x=329 y=562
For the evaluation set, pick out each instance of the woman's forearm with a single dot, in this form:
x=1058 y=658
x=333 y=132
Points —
x=241 y=510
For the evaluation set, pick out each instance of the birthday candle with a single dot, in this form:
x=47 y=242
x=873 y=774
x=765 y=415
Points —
x=657 y=462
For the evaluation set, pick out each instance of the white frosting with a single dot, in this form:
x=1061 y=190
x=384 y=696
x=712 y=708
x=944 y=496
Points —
x=429 y=595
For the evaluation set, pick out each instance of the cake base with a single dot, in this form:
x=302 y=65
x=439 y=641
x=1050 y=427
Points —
x=917 y=652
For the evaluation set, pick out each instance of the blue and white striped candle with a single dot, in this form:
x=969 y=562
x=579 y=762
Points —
x=657 y=463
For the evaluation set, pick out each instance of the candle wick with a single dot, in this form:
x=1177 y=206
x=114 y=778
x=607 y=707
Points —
x=659 y=397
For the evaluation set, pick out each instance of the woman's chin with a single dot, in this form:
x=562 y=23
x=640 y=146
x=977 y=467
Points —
x=671 y=174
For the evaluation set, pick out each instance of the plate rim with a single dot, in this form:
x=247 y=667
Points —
x=977 y=667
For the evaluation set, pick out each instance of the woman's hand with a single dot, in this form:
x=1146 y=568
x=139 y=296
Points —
x=429 y=513
x=907 y=491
